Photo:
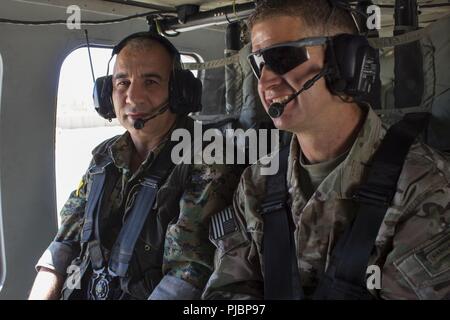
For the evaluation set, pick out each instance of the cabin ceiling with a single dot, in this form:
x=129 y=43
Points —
x=387 y=21
x=23 y=9
x=427 y=14
x=171 y=4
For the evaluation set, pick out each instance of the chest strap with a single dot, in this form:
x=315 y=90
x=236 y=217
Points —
x=104 y=177
x=281 y=278
x=123 y=248
x=345 y=276
x=102 y=185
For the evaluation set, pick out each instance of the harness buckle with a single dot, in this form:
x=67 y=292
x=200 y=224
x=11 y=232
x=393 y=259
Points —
x=373 y=196
x=100 y=285
x=273 y=206
x=151 y=182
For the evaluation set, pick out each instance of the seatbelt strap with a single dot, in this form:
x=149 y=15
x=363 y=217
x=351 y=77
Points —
x=103 y=182
x=103 y=178
x=346 y=274
x=124 y=246
x=281 y=277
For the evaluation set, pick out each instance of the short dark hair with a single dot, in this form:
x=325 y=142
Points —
x=143 y=43
x=321 y=16
x=146 y=40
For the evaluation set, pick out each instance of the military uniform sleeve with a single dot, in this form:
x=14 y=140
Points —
x=66 y=245
x=418 y=267
x=236 y=263
x=188 y=254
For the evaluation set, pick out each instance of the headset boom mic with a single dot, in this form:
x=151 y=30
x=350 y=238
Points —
x=139 y=123
x=276 y=109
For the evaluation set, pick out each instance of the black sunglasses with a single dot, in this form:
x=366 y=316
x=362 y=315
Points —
x=283 y=57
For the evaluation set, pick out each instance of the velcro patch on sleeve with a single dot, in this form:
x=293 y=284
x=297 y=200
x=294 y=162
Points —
x=223 y=223
x=427 y=267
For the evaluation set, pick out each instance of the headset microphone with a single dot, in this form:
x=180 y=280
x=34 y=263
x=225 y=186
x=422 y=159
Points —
x=276 y=109
x=139 y=123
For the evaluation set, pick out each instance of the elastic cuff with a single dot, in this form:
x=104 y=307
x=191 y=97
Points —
x=172 y=288
x=57 y=257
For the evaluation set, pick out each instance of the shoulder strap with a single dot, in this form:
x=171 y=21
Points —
x=124 y=246
x=345 y=277
x=104 y=176
x=281 y=277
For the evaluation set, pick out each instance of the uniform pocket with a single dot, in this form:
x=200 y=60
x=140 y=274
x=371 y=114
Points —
x=427 y=267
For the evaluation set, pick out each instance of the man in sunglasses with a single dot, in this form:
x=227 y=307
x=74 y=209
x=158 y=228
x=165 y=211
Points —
x=299 y=255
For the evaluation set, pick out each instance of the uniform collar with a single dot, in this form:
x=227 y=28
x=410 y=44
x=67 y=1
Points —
x=120 y=151
x=346 y=177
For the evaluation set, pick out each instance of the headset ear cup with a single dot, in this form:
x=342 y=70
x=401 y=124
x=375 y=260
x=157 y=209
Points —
x=185 y=92
x=102 y=96
x=335 y=83
x=353 y=64
x=340 y=85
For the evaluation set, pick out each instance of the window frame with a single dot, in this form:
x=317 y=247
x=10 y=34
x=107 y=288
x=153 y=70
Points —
x=2 y=239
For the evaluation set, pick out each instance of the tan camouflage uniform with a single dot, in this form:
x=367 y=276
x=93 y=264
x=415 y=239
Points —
x=183 y=205
x=412 y=246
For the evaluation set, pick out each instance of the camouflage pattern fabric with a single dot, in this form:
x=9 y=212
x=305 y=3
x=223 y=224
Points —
x=188 y=254
x=412 y=248
x=184 y=204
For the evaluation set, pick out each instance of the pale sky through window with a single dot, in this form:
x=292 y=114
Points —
x=75 y=83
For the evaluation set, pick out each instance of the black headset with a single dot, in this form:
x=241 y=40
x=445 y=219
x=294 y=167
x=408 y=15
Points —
x=353 y=65
x=185 y=90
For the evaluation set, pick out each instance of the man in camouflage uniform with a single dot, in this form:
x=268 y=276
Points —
x=330 y=152
x=189 y=195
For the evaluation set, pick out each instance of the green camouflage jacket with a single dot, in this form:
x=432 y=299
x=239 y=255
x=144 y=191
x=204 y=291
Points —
x=184 y=204
x=412 y=246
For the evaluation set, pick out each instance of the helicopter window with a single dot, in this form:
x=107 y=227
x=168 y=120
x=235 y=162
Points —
x=78 y=127
x=2 y=245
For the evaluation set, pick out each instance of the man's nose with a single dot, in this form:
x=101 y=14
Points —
x=135 y=94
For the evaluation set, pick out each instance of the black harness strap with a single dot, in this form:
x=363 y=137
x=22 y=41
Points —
x=104 y=177
x=95 y=194
x=281 y=275
x=124 y=246
x=104 y=282
x=345 y=276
